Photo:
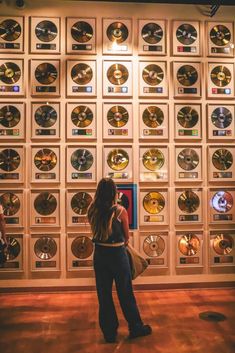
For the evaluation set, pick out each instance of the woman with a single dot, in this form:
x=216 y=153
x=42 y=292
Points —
x=109 y=225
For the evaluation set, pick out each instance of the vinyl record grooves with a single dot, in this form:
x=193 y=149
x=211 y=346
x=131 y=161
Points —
x=221 y=76
x=45 y=203
x=187 y=75
x=82 y=247
x=222 y=159
x=189 y=244
x=45 y=116
x=9 y=73
x=81 y=74
x=186 y=34
x=152 y=33
x=10 y=30
x=13 y=248
x=9 y=116
x=45 y=248
x=223 y=244
x=187 y=117
x=46 y=73
x=45 y=159
x=153 y=159
x=117 y=116
x=220 y=35
x=9 y=160
x=154 y=245
x=153 y=75
x=82 y=116
x=188 y=159
x=222 y=201
x=82 y=159
x=82 y=32
x=118 y=159
x=153 y=116
x=153 y=202
x=221 y=117
x=117 y=32
x=117 y=74
x=188 y=201
x=46 y=31
x=80 y=202
x=10 y=203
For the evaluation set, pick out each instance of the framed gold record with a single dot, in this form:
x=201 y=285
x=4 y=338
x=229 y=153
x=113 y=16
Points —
x=117 y=78
x=188 y=206
x=45 y=164
x=81 y=121
x=81 y=164
x=188 y=121
x=220 y=38
x=12 y=121
x=153 y=163
x=80 y=250
x=81 y=35
x=45 y=118
x=118 y=163
x=14 y=254
x=11 y=34
x=220 y=122
x=187 y=79
x=222 y=248
x=117 y=36
x=117 y=121
x=153 y=79
x=78 y=201
x=151 y=37
x=45 y=35
x=220 y=80
x=81 y=78
x=45 y=206
x=188 y=163
x=153 y=207
x=12 y=77
x=221 y=166
x=12 y=167
x=154 y=248
x=153 y=121
x=186 y=38
x=189 y=249
x=45 y=78
x=13 y=203
x=45 y=252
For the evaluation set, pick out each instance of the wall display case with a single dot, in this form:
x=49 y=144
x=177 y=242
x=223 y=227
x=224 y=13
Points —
x=153 y=207
x=45 y=35
x=81 y=35
x=45 y=78
x=78 y=201
x=153 y=121
x=11 y=34
x=11 y=164
x=12 y=202
x=117 y=36
x=154 y=248
x=153 y=163
x=15 y=253
x=45 y=164
x=81 y=78
x=45 y=208
x=220 y=80
x=81 y=164
x=188 y=121
x=12 y=77
x=188 y=163
x=117 y=163
x=81 y=121
x=189 y=249
x=221 y=163
x=189 y=206
x=220 y=122
x=151 y=37
x=222 y=248
x=80 y=250
x=221 y=205
x=186 y=38
x=117 y=121
x=153 y=79
x=220 y=39
x=187 y=79
x=12 y=121
x=117 y=78
x=45 y=121
x=45 y=252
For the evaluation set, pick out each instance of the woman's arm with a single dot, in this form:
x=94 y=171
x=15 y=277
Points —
x=2 y=226
x=125 y=223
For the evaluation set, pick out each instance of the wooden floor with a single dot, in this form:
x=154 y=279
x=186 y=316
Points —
x=67 y=323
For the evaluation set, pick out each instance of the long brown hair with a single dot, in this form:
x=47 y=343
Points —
x=100 y=211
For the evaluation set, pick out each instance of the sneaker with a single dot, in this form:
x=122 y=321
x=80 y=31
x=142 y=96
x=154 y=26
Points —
x=144 y=330
x=110 y=338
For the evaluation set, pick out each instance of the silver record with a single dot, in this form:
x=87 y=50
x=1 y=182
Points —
x=45 y=248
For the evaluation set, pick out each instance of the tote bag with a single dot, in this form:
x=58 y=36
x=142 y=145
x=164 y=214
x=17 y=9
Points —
x=137 y=263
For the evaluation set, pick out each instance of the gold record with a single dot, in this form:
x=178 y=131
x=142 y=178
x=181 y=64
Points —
x=80 y=202
x=222 y=159
x=221 y=76
x=117 y=32
x=9 y=116
x=13 y=248
x=10 y=30
x=188 y=159
x=154 y=202
x=82 y=247
x=117 y=116
x=9 y=160
x=187 y=75
x=153 y=159
x=117 y=74
x=152 y=33
x=45 y=116
x=81 y=74
x=154 y=245
x=45 y=159
x=222 y=201
x=45 y=203
x=220 y=35
x=9 y=73
x=221 y=117
x=82 y=116
x=186 y=34
x=188 y=201
x=189 y=244
x=153 y=116
x=81 y=31
x=46 y=31
x=46 y=73
x=118 y=159
x=223 y=244
x=187 y=117
x=45 y=248
x=152 y=74
x=82 y=159
x=10 y=203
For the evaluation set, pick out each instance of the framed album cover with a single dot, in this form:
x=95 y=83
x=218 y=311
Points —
x=127 y=197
